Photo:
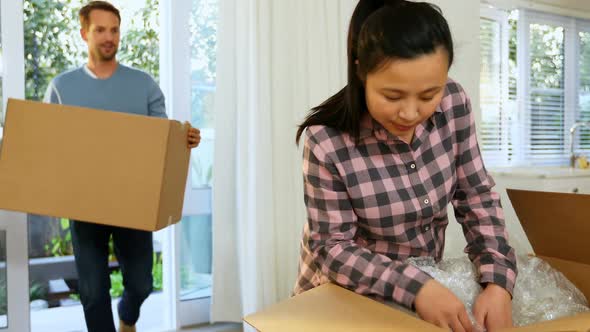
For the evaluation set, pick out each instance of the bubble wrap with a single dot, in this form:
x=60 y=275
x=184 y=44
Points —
x=541 y=293
x=458 y=275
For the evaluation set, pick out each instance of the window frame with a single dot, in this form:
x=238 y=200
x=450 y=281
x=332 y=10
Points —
x=522 y=148
x=501 y=17
x=526 y=19
x=175 y=82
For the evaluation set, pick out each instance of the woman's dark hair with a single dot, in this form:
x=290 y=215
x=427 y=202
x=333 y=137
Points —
x=380 y=31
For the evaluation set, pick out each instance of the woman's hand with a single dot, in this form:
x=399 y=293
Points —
x=439 y=306
x=493 y=308
x=193 y=137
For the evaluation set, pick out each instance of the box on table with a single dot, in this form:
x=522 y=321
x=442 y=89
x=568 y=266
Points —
x=557 y=225
x=98 y=166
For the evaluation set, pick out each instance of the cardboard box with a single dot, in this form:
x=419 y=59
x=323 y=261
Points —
x=97 y=166
x=558 y=227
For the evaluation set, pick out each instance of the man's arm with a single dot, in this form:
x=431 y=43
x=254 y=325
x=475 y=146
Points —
x=156 y=101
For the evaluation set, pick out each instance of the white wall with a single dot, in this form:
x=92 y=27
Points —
x=572 y=8
x=463 y=18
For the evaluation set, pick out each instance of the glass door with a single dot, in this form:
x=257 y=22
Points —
x=188 y=68
x=14 y=274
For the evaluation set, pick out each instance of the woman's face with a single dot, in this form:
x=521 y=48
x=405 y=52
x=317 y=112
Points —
x=404 y=93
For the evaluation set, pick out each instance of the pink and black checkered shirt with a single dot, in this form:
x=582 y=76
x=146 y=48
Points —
x=371 y=206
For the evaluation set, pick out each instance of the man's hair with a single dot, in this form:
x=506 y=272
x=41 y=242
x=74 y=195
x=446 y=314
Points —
x=84 y=12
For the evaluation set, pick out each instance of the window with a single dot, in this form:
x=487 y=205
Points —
x=52 y=44
x=583 y=105
x=203 y=40
x=534 y=86
x=495 y=110
x=195 y=253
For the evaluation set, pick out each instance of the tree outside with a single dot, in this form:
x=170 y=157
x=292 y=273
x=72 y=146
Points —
x=547 y=97
x=51 y=43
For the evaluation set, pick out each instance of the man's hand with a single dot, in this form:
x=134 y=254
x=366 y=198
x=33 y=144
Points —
x=194 y=137
x=438 y=305
x=493 y=308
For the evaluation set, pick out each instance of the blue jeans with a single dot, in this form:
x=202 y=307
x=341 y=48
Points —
x=134 y=251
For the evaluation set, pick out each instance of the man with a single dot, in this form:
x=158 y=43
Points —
x=103 y=83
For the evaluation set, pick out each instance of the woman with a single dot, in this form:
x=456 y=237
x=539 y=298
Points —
x=382 y=160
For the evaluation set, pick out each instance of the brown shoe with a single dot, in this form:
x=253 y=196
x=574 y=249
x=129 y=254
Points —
x=125 y=328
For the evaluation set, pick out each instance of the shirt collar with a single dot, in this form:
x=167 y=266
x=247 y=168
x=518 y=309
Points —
x=370 y=127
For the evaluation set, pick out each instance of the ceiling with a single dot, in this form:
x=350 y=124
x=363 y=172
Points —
x=580 y=5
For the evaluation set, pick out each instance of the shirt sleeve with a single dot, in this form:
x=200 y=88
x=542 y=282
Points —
x=478 y=209
x=156 y=101
x=333 y=225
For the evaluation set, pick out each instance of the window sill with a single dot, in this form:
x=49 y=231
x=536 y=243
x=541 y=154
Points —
x=546 y=172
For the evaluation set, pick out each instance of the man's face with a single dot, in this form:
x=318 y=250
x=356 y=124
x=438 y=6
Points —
x=102 y=35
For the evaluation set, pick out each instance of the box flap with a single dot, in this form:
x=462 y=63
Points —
x=577 y=273
x=557 y=224
x=333 y=308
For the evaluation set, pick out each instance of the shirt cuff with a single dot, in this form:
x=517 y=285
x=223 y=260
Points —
x=499 y=275
x=406 y=287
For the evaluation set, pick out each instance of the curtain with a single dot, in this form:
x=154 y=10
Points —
x=276 y=60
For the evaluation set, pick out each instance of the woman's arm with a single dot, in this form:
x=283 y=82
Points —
x=333 y=225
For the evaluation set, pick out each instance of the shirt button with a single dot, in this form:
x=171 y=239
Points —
x=412 y=166
x=426 y=201
x=426 y=228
